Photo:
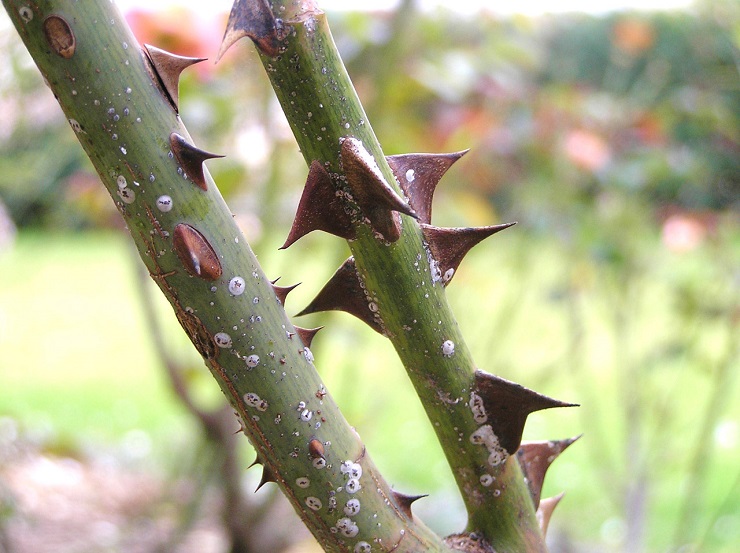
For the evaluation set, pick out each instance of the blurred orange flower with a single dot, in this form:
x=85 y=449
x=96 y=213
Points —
x=179 y=31
x=683 y=233
x=586 y=150
x=633 y=35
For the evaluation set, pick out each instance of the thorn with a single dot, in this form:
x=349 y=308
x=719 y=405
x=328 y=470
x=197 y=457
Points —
x=320 y=208
x=191 y=159
x=418 y=176
x=306 y=334
x=253 y=19
x=450 y=245
x=267 y=476
x=344 y=293
x=168 y=67
x=535 y=458
x=373 y=194
x=282 y=291
x=507 y=405
x=544 y=512
x=404 y=502
x=257 y=461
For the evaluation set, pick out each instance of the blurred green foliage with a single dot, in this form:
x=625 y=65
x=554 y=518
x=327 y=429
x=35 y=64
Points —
x=614 y=141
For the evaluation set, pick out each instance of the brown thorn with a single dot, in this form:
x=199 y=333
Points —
x=191 y=159
x=306 y=334
x=257 y=461
x=168 y=67
x=344 y=293
x=507 y=405
x=544 y=512
x=253 y=19
x=450 y=245
x=404 y=502
x=535 y=458
x=320 y=208
x=267 y=476
x=418 y=176
x=375 y=197
x=282 y=291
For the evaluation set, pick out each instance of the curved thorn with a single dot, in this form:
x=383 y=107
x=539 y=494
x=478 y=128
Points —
x=544 y=512
x=253 y=19
x=191 y=159
x=267 y=476
x=320 y=208
x=404 y=502
x=344 y=293
x=418 y=176
x=535 y=458
x=449 y=246
x=375 y=197
x=507 y=406
x=282 y=291
x=168 y=67
x=307 y=334
x=257 y=461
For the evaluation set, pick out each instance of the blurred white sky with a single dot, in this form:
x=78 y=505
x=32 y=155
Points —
x=528 y=7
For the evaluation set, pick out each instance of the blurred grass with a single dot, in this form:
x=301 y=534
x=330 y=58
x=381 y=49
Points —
x=599 y=135
x=77 y=364
x=78 y=371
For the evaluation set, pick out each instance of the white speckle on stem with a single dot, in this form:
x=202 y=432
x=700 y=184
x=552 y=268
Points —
x=448 y=348
x=127 y=195
x=164 y=204
x=313 y=503
x=302 y=482
x=352 y=507
x=222 y=340
x=236 y=285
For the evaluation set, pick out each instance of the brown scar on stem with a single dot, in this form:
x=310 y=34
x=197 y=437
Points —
x=130 y=170
x=157 y=227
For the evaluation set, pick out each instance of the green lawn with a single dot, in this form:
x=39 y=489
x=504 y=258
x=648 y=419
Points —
x=78 y=372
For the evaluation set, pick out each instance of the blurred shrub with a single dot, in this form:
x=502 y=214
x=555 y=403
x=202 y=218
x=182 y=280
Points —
x=562 y=111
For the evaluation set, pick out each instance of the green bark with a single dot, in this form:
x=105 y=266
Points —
x=323 y=109
x=188 y=240
x=121 y=102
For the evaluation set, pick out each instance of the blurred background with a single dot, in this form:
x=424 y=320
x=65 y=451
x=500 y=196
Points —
x=612 y=138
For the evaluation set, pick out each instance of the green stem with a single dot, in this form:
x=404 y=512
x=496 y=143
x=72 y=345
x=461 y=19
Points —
x=191 y=246
x=322 y=108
